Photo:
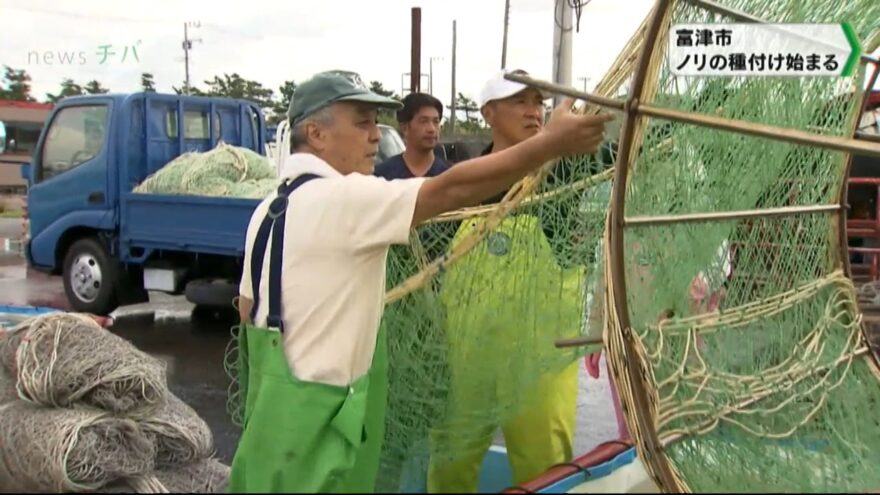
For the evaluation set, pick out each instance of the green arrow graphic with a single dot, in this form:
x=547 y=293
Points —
x=856 y=53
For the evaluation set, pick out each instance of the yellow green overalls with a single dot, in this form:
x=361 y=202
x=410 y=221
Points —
x=301 y=436
x=526 y=301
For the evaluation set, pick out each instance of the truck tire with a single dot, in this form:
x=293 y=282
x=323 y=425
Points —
x=211 y=293
x=90 y=277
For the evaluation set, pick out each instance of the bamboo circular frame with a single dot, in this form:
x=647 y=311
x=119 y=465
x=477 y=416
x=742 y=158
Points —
x=626 y=355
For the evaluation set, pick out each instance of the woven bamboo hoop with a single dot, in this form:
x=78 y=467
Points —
x=628 y=359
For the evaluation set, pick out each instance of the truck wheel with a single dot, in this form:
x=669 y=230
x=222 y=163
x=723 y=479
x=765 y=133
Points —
x=215 y=293
x=90 y=277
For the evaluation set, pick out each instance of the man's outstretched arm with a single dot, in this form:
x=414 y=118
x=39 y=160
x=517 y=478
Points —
x=475 y=180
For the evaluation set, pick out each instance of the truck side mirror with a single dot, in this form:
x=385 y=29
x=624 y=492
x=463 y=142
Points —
x=26 y=171
x=2 y=137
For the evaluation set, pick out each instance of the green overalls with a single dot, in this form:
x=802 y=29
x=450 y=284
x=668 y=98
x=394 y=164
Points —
x=301 y=436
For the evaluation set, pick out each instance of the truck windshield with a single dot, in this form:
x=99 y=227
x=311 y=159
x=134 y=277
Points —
x=389 y=145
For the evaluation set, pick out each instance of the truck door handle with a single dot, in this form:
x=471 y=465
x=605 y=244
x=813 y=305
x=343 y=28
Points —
x=96 y=198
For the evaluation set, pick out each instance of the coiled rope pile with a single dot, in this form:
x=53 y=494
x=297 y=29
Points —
x=82 y=410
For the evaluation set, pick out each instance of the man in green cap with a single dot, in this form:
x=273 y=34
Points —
x=311 y=358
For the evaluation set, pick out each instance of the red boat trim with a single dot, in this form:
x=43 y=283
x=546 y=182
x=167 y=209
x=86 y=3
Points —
x=601 y=454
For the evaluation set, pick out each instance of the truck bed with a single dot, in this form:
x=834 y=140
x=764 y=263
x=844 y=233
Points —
x=198 y=224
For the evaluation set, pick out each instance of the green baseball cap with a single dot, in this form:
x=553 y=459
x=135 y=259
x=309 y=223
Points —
x=326 y=88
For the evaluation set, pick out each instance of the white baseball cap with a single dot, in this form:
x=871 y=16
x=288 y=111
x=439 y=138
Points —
x=498 y=88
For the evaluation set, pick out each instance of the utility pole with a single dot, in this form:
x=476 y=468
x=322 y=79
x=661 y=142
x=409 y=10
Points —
x=562 y=29
x=504 y=42
x=584 y=79
x=187 y=46
x=452 y=114
x=416 y=51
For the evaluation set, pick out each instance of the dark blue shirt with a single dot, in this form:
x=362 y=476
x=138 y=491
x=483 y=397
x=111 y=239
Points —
x=395 y=168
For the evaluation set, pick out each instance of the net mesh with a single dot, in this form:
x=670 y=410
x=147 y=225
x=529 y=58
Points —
x=747 y=331
x=477 y=300
x=225 y=170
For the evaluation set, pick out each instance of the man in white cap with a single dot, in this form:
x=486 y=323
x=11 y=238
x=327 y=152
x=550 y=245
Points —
x=539 y=431
x=311 y=357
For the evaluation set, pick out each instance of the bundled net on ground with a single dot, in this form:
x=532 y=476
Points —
x=181 y=436
x=747 y=332
x=59 y=450
x=77 y=417
x=61 y=358
x=8 y=392
x=202 y=476
x=226 y=170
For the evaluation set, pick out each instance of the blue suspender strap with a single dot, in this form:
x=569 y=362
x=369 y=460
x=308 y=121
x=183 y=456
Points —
x=273 y=223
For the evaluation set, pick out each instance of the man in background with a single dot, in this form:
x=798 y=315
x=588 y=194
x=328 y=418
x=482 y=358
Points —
x=419 y=122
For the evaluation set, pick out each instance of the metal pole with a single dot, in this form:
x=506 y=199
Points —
x=187 y=46
x=431 y=75
x=452 y=114
x=784 y=134
x=562 y=28
x=186 y=57
x=416 y=56
x=504 y=41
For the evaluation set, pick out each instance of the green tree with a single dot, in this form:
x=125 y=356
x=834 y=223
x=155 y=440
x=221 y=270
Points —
x=94 y=88
x=471 y=125
x=468 y=106
x=386 y=116
x=68 y=88
x=378 y=88
x=147 y=82
x=234 y=86
x=193 y=90
x=16 y=85
x=280 y=106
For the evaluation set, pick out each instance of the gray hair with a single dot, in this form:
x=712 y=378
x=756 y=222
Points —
x=298 y=136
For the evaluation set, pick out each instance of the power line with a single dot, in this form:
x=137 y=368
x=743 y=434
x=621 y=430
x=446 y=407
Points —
x=577 y=6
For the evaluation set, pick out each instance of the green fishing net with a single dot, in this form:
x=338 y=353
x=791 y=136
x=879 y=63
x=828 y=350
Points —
x=748 y=331
x=226 y=170
x=469 y=347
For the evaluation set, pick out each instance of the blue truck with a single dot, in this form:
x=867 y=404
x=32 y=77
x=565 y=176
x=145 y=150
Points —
x=112 y=245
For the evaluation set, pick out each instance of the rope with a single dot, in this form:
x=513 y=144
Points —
x=478 y=211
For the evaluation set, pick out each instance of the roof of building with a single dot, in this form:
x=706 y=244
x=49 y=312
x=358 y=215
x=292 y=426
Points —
x=30 y=105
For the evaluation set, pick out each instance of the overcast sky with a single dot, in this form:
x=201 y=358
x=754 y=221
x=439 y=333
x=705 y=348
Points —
x=273 y=41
